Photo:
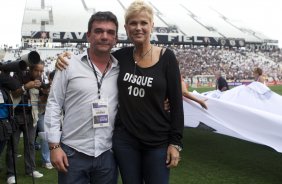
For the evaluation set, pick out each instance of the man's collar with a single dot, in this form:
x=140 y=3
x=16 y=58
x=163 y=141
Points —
x=84 y=58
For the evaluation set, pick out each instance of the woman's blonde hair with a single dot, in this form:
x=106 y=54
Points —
x=137 y=7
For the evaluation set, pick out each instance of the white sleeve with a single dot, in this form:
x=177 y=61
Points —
x=53 y=113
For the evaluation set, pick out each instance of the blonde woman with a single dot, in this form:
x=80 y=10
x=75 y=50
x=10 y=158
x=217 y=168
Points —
x=147 y=140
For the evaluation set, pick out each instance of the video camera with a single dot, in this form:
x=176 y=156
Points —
x=45 y=86
x=22 y=63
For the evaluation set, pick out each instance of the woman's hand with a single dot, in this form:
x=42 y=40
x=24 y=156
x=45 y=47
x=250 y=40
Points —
x=173 y=156
x=61 y=63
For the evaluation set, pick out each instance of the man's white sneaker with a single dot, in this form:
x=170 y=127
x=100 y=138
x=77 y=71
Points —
x=11 y=180
x=48 y=166
x=36 y=174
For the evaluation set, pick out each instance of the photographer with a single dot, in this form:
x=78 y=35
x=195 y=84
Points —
x=26 y=117
x=7 y=83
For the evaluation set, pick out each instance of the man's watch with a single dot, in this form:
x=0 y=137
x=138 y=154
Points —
x=179 y=148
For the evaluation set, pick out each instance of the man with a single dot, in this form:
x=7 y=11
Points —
x=43 y=95
x=221 y=83
x=26 y=116
x=7 y=83
x=87 y=94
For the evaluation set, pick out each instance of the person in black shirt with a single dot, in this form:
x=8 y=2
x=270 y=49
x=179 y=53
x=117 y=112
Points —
x=221 y=83
x=7 y=84
x=146 y=139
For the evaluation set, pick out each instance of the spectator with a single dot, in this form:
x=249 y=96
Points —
x=258 y=75
x=45 y=152
x=221 y=83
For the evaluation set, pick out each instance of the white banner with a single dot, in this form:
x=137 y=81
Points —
x=252 y=113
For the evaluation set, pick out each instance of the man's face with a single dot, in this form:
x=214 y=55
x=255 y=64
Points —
x=37 y=71
x=217 y=75
x=103 y=36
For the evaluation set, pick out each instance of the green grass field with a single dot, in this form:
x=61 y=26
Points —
x=207 y=158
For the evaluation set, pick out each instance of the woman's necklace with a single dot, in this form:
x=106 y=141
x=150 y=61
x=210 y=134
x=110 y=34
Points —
x=142 y=56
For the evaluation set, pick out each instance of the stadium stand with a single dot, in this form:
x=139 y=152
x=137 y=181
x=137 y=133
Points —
x=190 y=20
x=203 y=42
x=236 y=64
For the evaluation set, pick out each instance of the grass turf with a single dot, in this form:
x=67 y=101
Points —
x=207 y=158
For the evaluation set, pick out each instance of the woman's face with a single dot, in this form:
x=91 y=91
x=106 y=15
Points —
x=139 y=27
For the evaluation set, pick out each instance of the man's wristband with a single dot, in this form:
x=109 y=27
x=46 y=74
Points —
x=54 y=147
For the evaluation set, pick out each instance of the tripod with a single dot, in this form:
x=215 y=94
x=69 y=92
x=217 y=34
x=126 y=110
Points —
x=14 y=158
x=24 y=125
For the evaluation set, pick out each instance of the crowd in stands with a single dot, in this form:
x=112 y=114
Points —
x=235 y=64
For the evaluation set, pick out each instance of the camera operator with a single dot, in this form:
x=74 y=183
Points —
x=7 y=84
x=26 y=117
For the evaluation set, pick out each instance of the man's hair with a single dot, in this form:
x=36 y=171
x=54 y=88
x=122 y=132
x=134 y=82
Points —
x=258 y=71
x=102 y=16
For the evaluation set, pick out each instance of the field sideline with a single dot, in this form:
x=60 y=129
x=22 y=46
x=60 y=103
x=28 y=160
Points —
x=208 y=158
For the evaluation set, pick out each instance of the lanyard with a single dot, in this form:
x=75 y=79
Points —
x=99 y=83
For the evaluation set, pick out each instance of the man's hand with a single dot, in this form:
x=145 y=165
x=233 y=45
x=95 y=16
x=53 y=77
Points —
x=31 y=84
x=61 y=63
x=173 y=157
x=59 y=159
